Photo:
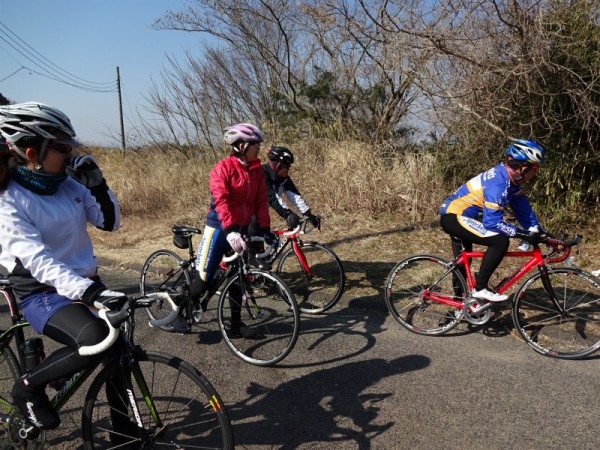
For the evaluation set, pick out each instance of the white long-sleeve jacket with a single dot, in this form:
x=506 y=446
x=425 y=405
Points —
x=44 y=240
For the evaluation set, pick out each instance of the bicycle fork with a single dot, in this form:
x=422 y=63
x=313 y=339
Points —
x=550 y=290
x=249 y=302
x=302 y=258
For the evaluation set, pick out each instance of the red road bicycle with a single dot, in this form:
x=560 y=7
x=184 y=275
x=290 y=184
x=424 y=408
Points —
x=556 y=311
x=312 y=271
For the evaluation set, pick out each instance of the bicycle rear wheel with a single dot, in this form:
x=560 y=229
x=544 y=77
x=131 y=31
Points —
x=10 y=371
x=163 y=272
x=186 y=412
x=320 y=289
x=573 y=334
x=415 y=292
x=270 y=311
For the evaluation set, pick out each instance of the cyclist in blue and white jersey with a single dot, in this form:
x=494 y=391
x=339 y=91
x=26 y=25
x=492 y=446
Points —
x=475 y=212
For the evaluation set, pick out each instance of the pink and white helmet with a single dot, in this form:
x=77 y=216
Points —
x=244 y=132
x=22 y=123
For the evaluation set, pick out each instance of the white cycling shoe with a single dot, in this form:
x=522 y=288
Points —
x=488 y=295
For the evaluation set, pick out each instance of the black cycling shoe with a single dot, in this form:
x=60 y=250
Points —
x=241 y=330
x=258 y=263
x=35 y=406
x=180 y=325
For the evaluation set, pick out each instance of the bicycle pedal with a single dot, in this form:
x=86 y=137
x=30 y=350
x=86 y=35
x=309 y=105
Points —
x=197 y=315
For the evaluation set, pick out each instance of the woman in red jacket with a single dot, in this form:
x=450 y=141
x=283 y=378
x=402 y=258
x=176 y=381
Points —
x=238 y=191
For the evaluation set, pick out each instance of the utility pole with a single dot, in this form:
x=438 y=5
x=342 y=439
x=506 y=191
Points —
x=120 y=109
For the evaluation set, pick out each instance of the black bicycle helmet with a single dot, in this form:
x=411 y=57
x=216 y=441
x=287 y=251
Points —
x=281 y=155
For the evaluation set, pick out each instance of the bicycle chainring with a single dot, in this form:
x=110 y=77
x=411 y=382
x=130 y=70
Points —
x=476 y=318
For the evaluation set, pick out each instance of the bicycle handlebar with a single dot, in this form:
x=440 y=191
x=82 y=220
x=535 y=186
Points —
x=556 y=245
x=115 y=318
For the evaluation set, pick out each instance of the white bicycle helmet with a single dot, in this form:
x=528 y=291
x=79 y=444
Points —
x=244 y=132
x=24 y=123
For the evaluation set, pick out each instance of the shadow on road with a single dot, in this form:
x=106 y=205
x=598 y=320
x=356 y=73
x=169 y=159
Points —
x=327 y=406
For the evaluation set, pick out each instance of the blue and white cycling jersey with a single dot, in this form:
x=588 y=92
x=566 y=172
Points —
x=484 y=197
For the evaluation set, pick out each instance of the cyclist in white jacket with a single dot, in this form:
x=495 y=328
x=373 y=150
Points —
x=47 y=197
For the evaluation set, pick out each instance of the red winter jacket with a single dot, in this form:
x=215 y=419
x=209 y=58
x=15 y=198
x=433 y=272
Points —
x=238 y=192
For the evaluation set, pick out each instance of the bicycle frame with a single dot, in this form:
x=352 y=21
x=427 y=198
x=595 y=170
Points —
x=536 y=260
x=296 y=245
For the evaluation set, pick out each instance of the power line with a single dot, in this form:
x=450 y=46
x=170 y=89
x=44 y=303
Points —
x=7 y=77
x=51 y=73
x=83 y=88
x=69 y=74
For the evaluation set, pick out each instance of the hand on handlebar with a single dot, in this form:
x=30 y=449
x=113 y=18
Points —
x=112 y=300
x=97 y=296
x=236 y=241
x=314 y=220
x=532 y=237
x=292 y=220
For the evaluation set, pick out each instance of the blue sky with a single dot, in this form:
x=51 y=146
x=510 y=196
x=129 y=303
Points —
x=89 y=39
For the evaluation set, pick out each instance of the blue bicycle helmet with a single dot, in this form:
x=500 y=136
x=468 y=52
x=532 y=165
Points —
x=525 y=151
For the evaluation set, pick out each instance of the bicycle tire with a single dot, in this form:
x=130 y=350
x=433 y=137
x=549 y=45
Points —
x=573 y=335
x=322 y=290
x=191 y=411
x=10 y=371
x=274 y=317
x=163 y=272
x=405 y=290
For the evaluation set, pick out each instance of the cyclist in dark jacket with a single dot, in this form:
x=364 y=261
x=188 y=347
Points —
x=475 y=212
x=280 y=185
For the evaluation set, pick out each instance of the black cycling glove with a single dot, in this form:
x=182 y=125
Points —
x=314 y=220
x=292 y=220
x=98 y=296
x=533 y=237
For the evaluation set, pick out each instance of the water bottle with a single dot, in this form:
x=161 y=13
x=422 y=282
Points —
x=571 y=262
x=33 y=349
x=524 y=246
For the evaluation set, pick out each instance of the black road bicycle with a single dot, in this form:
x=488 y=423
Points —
x=138 y=399
x=267 y=305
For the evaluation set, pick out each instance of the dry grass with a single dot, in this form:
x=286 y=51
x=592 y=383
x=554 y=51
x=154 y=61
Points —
x=376 y=211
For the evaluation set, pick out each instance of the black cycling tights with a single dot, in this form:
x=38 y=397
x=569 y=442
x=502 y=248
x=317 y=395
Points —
x=75 y=326
x=497 y=246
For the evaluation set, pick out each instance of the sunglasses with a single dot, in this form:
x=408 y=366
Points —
x=61 y=148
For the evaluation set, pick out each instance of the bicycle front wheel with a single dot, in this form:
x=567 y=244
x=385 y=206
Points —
x=10 y=371
x=317 y=284
x=177 y=408
x=418 y=292
x=268 y=311
x=569 y=330
x=163 y=271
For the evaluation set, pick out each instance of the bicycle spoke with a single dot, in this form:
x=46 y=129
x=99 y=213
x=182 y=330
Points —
x=270 y=317
x=318 y=286
x=571 y=333
x=182 y=398
x=417 y=292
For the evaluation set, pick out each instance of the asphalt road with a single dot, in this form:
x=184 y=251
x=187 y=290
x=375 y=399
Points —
x=357 y=380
